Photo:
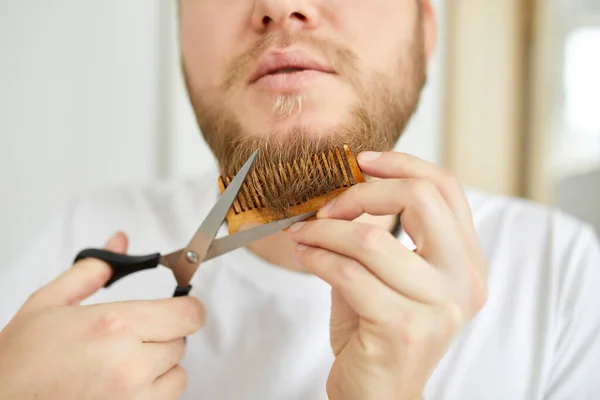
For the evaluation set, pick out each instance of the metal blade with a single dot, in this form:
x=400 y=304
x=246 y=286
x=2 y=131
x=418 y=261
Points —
x=195 y=252
x=232 y=242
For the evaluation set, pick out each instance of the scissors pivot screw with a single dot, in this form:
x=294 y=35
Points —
x=192 y=257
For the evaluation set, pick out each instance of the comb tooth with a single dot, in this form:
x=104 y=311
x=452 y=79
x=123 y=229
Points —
x=341 y=167
x=264 y=183
x=283 y=174
x=357 y=175
x=320 y=168
x=312 y=171
x=335 y=170
x=326 y=166
x=298 y=174
x=270 y=183
x=257 y=189
x=222 y=186
x=278 y=181
x=236 y=204
x=312 y=174
x=247 y=196
x=347 y=155
x=303 y=171
x=242 y=200
x=290 y=173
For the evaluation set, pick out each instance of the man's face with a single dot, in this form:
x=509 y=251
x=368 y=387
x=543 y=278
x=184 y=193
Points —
x=287 y=74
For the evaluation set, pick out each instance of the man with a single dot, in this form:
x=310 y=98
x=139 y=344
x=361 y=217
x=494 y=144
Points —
x=478 y=298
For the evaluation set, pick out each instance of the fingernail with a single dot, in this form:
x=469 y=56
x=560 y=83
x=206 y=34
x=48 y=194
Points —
x=297 y=227
x=326 y=208
x=367 y=156
x=301 y=247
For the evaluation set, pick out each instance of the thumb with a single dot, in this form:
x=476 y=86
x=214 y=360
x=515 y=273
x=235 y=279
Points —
x=79 y=282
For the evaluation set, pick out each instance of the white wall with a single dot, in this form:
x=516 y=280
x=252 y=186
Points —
x=91 y=95
x=79 y=90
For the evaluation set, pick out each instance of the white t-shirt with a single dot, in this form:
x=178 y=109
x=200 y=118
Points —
x=267 y=329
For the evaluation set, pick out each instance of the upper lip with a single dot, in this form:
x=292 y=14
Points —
x=274 y=61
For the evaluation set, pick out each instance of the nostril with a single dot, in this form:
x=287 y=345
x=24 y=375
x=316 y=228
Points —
x=266 y=20
x=299 y=16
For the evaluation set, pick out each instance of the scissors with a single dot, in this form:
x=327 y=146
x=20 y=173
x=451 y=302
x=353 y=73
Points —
x=202 y=246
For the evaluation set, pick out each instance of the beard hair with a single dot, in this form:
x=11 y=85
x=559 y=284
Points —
x=287 y=105
x=376 y=122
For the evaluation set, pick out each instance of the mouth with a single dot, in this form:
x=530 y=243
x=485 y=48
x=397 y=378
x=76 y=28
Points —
x=281 y=65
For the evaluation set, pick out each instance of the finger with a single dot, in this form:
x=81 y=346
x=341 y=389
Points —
x=118 y=243
x=364 y=292
x=161 y=357
x=159 y=320
x=385 y=197
x=82 y=280
x=390 y=165
x=424 y=215
x=169 y=386
x=386 y=258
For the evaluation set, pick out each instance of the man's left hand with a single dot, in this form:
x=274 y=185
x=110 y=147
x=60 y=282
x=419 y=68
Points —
x=395 y=312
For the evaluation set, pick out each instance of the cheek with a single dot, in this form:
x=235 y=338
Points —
x=380 y=31
x=206 y=41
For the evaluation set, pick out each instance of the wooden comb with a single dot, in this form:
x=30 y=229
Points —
x=338 y=165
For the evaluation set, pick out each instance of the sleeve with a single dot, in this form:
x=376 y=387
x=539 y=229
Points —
x=575 y=369
x=44 y=258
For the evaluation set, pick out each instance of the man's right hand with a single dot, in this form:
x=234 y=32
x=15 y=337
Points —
x=55 y=348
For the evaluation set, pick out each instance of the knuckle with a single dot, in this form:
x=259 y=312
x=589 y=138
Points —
x=422 y=189
x=315 y=257
x=370 y=237
x=405 y=328
x=410 y=336
x=123 y=379
x=478 y=293
x=348 y=272
x=453 y=317
x=378 y=350
x=110 y=324
x=450 y=181
x=359 y=191
x=36 y=297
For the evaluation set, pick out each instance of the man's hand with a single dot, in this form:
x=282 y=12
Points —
x=395 y=312
x=56 y=349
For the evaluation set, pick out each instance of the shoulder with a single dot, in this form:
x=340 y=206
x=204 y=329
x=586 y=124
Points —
x=526 y=227
x=145 y=198
x=152 y=213
x=537 y=252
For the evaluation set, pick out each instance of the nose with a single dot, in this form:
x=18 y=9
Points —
x=284 y=14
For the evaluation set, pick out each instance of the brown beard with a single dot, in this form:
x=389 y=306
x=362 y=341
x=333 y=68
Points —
x=386 y=105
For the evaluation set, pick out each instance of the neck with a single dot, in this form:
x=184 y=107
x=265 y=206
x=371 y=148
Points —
x=279 y=250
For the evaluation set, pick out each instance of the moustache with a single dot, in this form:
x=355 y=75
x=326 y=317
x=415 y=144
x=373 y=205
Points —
x=339 y=58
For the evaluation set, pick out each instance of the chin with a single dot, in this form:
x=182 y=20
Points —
x=283 y=115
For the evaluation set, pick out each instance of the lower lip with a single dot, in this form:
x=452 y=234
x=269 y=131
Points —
x=289 y=81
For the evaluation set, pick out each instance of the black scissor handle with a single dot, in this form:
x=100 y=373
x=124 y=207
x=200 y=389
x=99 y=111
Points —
x=121 y=264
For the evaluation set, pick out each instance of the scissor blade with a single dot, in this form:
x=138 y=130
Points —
x=211 y=225
x=232 y=242
x=195 y=252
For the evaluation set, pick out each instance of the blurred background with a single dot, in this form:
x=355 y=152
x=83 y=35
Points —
x=91 y=96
